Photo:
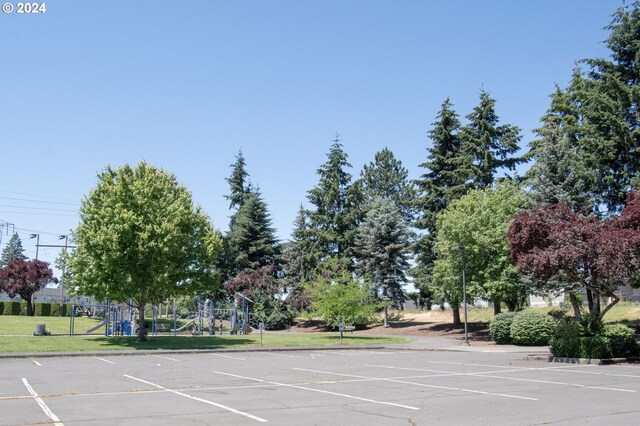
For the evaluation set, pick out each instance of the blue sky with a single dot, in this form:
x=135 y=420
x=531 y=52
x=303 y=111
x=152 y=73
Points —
x=186 y=84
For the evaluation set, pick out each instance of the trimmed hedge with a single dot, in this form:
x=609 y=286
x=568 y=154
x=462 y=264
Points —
x=1 y=307
x=10 y=307
x=574 y=340
x=500 y=328
x=532 y=329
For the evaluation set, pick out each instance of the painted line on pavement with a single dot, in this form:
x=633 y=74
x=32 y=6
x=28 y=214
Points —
x=42 y=405
x=166 y=357
x=195 y=398
x=318 y=391
x=230 y=357
x=419 y=384
x=104 y=360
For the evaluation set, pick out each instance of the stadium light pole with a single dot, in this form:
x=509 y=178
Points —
x=464 y=293
x=37 y=236
x=64 y=264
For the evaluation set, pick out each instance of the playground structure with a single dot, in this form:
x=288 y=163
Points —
x=119 y=319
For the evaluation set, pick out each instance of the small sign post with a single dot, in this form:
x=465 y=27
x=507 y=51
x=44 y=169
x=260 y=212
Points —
x=341 y=328
x=261 y=327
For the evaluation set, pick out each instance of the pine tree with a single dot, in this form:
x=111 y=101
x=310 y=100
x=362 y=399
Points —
x=382 y=248
x=447 y=178
x=252 y=242
x=385 y=177
x=13 y=250
x=491 y=146
x=238 y=183
x=337 y=206
x=300 y=258
x=557 y=176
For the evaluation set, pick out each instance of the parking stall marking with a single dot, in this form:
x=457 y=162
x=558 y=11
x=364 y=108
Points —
x=41 y=403
x=489 y=374
x=167 y=358
x=406 y=382
x=36 y=363
x=195 y=398
x=317 y=390
x=230 y=357
x=104 y=360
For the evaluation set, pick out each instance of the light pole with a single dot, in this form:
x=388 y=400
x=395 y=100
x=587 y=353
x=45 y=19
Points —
x=37 y=236
x=64 y=264
x=464 y=294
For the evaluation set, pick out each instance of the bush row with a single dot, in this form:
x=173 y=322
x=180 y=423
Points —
x=573 y=339
x=41 y=309
x=522 y=328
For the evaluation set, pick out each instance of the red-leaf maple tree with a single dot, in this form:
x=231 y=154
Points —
x=24 y=278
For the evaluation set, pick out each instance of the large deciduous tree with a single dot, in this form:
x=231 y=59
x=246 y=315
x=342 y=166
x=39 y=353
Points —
x=141 y=240
x=24 y=278
x=563 y=250
x=479 y=222
x=13 y=250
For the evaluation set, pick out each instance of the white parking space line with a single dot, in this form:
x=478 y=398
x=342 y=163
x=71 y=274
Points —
x=419 y=384
x=574 y=385
x=167 y=358
x=104 y=360
x=230 y=357
x=205 y=401
x=519 y=370
x=634 y=376
x=282 y=355
x=42 y=405
x=318 y=391
x=36 y=363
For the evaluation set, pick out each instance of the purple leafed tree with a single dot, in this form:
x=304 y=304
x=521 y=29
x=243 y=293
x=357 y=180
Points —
x=565 y=251
x=24 y=278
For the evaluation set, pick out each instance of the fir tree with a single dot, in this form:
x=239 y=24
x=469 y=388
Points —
x=252 y=242
x=13 y=250
x=382 y=248
x=337 y=205
x=385 y=177
x=492 y=146
x=557 y=176
x=238 y=183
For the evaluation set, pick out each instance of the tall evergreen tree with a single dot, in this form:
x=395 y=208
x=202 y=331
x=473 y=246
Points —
x=13 y=250
x=337 y=206
x=447 y=177
x=299 y=260
x=382 y=248
x=605 y=98
x=252 y=242
x=557 y=176
x=385 y=177
x=238 y=182
x=492 y=146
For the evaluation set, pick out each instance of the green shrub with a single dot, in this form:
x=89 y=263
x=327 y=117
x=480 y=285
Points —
x=594 y=347
x=622 y=341
x=557 y=313
x=45 y=309
x=1 y=308
x=12 y=308
x=565 y=341
x=531 y=328
x=500 y=328
x=55 y=310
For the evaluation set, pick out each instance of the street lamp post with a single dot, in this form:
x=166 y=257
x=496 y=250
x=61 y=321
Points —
x=64 y=264
x=464 y=294
x=37 y=236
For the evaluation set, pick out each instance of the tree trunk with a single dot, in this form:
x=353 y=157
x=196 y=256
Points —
x=497 y=308
x=142 y=329
x=590 y=301
x=614 y=299
x=576 y=306
x=386 y=316
x=456 y=314
x=30 y=310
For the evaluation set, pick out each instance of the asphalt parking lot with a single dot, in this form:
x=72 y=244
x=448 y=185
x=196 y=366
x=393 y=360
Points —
x=356 y=387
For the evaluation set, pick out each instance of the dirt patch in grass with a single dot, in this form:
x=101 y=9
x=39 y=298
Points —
x=432 y=323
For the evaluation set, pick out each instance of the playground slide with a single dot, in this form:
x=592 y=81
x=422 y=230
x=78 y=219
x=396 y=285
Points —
x=187 y=325
x=94 y=328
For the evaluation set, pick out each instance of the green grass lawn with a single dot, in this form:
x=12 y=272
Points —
x=16 y=335
x=32 y=344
